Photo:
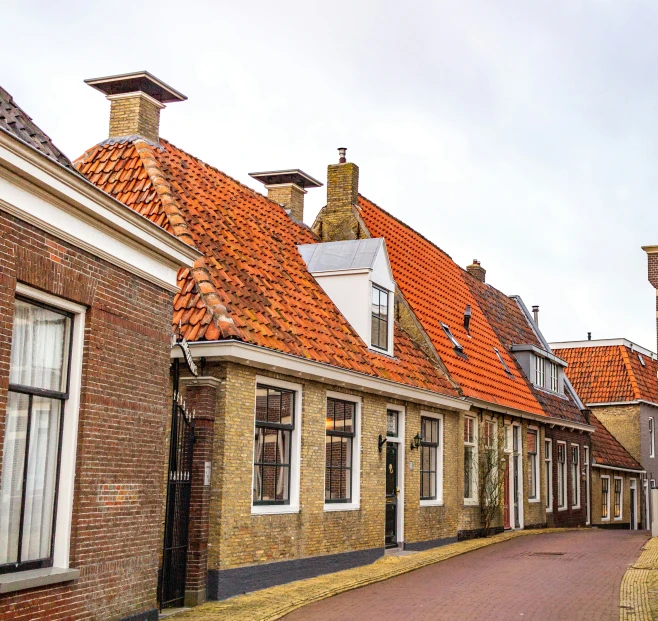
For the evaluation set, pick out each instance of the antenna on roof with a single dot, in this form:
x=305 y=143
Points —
x=467 y=318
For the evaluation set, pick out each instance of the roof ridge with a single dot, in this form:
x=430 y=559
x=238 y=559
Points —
x=631 y=373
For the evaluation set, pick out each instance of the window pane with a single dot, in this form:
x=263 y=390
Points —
x=261 y=403
x=41 y=475
x=12 y=475
x=39 y=351
x=468 y=472
x=273 y=406
x=287 y=408
x=268 y=482
x=532 y=441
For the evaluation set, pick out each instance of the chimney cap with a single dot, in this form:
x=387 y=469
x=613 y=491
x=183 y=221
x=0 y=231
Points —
x=279 y=177
x=138 y=81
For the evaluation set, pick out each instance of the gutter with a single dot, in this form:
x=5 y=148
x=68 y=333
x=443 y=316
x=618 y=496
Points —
x=604 y=467
x=611 y=403
x=272 y=360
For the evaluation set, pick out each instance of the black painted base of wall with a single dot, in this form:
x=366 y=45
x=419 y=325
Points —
x=147 y=615
x=224 y=583
x=419 y=546
x=535 y=526
x=478 y=533
x=615 y=526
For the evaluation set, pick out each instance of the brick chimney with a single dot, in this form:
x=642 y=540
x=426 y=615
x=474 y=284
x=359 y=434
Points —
x=476 y=270
x=287 y=188
x=136 y=99
x=338 y=219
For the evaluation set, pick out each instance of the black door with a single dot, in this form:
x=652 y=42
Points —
x=391 y=529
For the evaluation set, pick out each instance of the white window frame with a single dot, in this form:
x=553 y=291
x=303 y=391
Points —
x=295 y=450
x=473 y=500
x=389 y=320
x=548 y=462
x=577 y=477
x=554 y=376
x=610 y=492
x=652 y=438
x=621 y=498
x=536 y=493
x=438 y=501
x=540 y=371
x=71 y=413
x=355 y=505
x=562 y=477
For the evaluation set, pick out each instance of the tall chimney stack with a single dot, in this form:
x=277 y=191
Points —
x=535 y=314
x=339 y=218
x=476 y=270
x=287 y=188
x=136 y=99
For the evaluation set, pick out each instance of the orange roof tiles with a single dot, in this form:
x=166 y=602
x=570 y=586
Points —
x=437 y=290
x=607 y=451
x=610 y=373
x=253 y=284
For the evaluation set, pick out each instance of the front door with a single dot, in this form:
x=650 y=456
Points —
x=391 y=529
x=506 y=512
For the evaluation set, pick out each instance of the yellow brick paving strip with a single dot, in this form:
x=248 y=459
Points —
x=276 y=602
x=638 y=595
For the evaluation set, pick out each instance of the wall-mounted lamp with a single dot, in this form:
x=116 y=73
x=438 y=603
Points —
x=415 y=443
x=381 y=442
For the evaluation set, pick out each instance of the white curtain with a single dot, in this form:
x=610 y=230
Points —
x=39 y=347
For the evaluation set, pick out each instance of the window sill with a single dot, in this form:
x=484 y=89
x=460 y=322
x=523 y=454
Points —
x=575 y=507
x=274 y=509
x=471 y=503
x=549 y=510
x=533 y=501
x=562 y=508
x=21 y=580
x=431 y=503
x=342 y=506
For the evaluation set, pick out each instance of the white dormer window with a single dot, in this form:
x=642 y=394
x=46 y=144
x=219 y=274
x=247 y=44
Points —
x=379 y=318
x=539 y=371
x=356 y=274
x=553 y=376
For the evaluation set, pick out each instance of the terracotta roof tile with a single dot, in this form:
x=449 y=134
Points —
x=611 y=373
x=252 y=269
x=607 y=451
x=435 y=287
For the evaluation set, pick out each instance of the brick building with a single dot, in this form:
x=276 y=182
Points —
x=350 y=376
x=618 y=381
x=86 y=292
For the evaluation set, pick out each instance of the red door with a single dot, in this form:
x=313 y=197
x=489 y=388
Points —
x=506 y=513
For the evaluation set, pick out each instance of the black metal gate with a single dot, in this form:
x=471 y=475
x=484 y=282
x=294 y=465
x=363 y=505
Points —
x=179 y=487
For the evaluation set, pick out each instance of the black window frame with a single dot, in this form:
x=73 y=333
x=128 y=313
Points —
x=430 y=445
x=61 y=396
x=377 y=319
x=276 y=464
x=332 y=433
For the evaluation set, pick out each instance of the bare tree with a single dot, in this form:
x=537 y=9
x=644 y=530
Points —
x=491 y=473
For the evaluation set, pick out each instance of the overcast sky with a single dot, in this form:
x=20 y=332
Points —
x=523 y=134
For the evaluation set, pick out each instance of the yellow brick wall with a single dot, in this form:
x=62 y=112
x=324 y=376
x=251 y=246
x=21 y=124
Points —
x=623 y=422
x=626 y=495
x=132 y=116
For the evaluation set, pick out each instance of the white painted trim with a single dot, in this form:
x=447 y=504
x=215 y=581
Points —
x=633 y=485
x=135 y=94
x=621 y=499
x=565 y=485
x=473 y=501
x=577 y=506
x=537 y=491
x=295 y=452
x=604 y=343
x=549 y=481
x=588 y=503
x=438 y=501
x=355 y=505
x=604 y=467
x=402 y=445
x=66 y=205
x=271 y=360
x=70 y=417
x=610 y=492
x=521 y=477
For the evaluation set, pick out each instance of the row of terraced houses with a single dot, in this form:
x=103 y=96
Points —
x=202 y=395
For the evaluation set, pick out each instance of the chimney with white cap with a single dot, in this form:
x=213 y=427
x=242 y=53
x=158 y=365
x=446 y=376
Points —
x=137 y=99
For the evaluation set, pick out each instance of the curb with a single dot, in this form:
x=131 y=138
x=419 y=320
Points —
x=276 y=602
x=639 y=586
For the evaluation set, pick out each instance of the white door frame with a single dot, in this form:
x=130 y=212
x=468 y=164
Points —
x=519 y=499
x=400 y=441
x=633 y=486
x=588 y=511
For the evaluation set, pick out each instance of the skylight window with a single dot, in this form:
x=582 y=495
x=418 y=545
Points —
x=502 y=361
x=456 y=344
x=641 y=360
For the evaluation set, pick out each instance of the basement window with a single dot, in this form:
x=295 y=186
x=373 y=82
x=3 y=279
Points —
x=456 y=344
x=502 y=361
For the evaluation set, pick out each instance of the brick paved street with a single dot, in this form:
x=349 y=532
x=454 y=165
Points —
x=562 y=576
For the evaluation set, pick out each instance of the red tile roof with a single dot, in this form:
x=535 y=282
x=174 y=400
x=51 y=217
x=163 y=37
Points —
x=253 y=284
x=610 y=373
x=607 y=451
x=437 y=290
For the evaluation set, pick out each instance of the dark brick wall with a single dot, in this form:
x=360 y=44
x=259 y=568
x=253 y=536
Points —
x=118 y=494
x=569 y=517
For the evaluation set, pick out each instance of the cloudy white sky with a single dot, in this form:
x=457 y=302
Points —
x=523 y=134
